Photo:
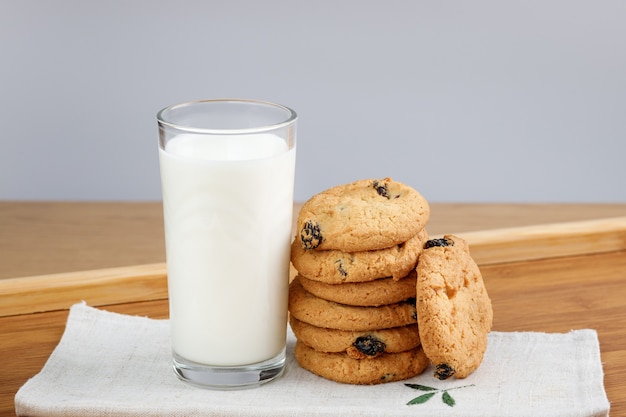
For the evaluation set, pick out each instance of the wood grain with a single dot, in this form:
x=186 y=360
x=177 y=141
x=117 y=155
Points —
x=43 y=237
x=38 y=294
x=40 y=238
x=149 y=282
x=547 y=240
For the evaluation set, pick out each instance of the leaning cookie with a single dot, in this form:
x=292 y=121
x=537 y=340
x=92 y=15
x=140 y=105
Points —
x=339 y=367
x=365 y=294
x=363 y=215
x=336 y=267
x=310 y=309
x=454 y=310
x=356 y=344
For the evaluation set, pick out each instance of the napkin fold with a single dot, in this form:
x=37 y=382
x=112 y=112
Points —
x=110 y=364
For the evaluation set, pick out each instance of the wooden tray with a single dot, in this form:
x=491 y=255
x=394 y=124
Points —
x=149 y=282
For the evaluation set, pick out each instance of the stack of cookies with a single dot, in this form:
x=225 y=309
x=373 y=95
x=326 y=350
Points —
x=375 y=300
x=353 y=303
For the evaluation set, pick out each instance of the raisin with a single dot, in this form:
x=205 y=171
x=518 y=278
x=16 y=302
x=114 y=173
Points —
x=381 y=189
x=438 y=242
x=369 y=345
x=444 y=371
x=310 y=235
x=340 y=268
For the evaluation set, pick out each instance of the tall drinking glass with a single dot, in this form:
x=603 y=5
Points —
x=227 y=177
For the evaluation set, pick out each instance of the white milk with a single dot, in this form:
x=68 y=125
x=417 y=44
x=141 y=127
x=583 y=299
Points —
x=228 y=208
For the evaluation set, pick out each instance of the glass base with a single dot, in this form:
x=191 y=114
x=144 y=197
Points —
x=229 y=377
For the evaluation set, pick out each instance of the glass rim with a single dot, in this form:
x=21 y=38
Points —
x=291 y=118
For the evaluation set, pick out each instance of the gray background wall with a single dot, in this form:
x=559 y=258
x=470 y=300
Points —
x=481 y=101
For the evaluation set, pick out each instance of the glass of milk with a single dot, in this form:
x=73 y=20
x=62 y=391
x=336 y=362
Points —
x=227 y=176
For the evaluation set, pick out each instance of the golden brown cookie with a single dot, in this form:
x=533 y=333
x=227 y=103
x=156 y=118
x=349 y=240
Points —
x=363 y=215
x=323 y=313
x=339 y=367
x=372 y=293
x=454 y=310
x=336 y=267
x=354 y=343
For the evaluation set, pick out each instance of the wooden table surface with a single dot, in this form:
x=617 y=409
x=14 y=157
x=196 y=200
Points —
x=44 y=243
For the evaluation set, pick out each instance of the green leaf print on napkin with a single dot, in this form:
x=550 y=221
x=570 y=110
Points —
x=445 y=396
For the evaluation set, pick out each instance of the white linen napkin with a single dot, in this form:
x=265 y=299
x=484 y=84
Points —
x=109 y=364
